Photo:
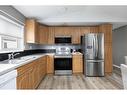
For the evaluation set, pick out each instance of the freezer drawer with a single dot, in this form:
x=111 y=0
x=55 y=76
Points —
x=94 y=68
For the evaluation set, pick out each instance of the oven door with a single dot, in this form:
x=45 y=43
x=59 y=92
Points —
x=63 y=66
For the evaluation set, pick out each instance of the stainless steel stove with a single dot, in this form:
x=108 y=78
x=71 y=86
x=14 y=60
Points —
x=63 y=61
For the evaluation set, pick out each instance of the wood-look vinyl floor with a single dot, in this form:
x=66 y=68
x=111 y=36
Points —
x=113 y=81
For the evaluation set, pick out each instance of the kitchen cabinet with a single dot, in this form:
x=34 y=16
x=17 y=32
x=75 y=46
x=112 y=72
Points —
x=76 y=35
x=94 y=29
x=25 y=74
x=59 y=31
x=40 y=72
x=80 y=31
x=50 y=64
x=84 y=30
x=30 y=75
x=24 y=81
x=31 y=31
x=51 y=35
x=107 y=30
x=75 y=32
x=63 y=31
x=77 y=63
x=43 y=34
x=108 y=58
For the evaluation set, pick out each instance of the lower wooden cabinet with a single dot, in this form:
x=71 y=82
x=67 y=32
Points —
x=77 y=63
x=24 y=81
x=50 y=64
x=30 y=75
x=108 y=58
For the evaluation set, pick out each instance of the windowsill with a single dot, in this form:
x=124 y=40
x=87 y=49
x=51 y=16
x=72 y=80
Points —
x=9 y=51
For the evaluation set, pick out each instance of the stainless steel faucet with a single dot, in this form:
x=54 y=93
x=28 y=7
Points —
x=12 y=55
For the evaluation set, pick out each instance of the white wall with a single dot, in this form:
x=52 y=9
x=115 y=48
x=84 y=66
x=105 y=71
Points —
x=119 y=45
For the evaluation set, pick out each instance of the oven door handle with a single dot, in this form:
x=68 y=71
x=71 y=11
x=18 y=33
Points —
x=62 y=56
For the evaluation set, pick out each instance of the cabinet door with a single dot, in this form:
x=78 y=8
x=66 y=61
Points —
x=30 y=75
x=76 y=35
x=25 y=81
x=43 y=62
x=43 y=34
x=50 y=64
x=51 y=35
x=59 y=31
x=94 y=29
x=84 y=30
x=67 y=31
x=77 y=64
x=31 y=32
x=35 y=75
x=107 y=30
x=36 y=32
x=40 y=70
x=108 y=58
x=63 y=31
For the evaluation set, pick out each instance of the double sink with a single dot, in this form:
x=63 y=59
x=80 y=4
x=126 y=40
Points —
x=18 y=60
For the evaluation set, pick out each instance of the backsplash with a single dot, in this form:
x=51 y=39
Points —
x=36 y=48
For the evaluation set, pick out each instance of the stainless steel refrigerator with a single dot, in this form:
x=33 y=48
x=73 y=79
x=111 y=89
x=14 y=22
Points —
x=93 y=49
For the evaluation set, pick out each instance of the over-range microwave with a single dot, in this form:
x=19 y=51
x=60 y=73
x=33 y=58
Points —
x=63 y=39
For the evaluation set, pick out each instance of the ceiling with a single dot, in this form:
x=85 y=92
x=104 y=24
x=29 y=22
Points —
x=76 y=15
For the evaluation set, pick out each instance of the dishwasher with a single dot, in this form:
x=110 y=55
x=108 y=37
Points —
x=8 y=80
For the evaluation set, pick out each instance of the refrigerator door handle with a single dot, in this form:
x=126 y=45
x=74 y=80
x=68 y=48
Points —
x=97 y=45
x=94 y=47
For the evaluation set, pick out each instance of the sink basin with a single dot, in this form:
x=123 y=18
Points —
x=17 y=60
x=26 y=58
x=13 y=61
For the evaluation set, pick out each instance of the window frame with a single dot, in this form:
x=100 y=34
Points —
x=20 y=40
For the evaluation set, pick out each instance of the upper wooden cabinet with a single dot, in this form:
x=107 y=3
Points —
x=63 y=31
x=75 y=32
x=31 y=31
x=94 y=29
x=75 y=35
x=43 y=34
x=37 y=33
x=51 y=35
x=84 y=30
x=107 y=30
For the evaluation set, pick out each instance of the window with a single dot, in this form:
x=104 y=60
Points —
x=9 y=43
x=11 y=36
